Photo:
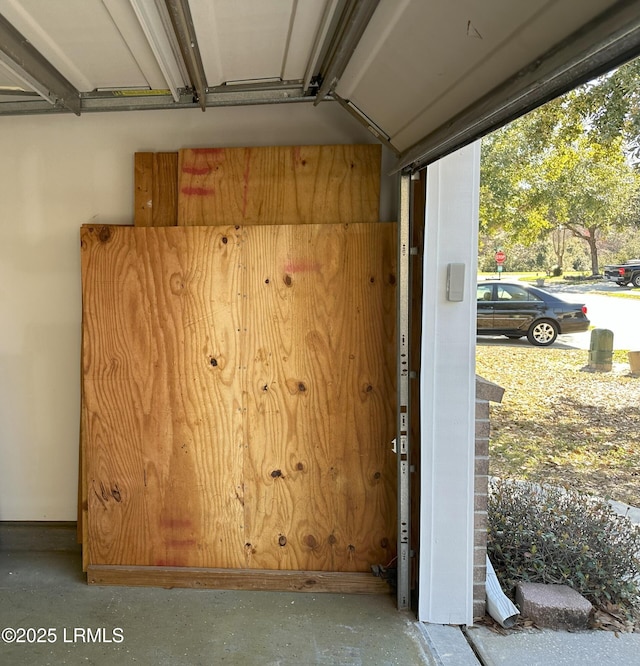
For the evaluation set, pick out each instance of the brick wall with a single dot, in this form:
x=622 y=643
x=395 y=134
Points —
x=486 y=392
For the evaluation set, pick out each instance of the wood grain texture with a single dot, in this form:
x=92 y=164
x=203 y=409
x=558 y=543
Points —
x=143 y=190
x=225 y=579
x=156 y=189
x=164 y=459
x=320 y=476
x=82 y=491
x=82 y=519
x=279 y=185
x=239 y=396
x=83 y=524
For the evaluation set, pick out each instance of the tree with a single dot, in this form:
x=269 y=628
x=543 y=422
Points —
x=610 y=107
x=562 y=167
x=586 y=188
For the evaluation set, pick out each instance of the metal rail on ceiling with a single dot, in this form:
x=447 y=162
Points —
x=342 y=42
x=185 y=33
x=145 y=100
x=30 y=67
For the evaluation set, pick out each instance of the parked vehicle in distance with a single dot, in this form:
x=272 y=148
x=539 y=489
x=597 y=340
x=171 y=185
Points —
x=516 y=309
x=624 y=274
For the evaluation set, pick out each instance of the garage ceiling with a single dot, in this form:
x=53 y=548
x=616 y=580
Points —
x=425 y=76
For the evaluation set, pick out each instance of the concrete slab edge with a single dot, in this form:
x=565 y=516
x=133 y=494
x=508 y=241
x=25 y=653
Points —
x=475 y=638
x=448 y=645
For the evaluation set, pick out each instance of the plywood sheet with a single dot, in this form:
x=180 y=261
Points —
x=156 y=189
x=239 y=396
x=279 y=185
x=164 y=459
x=320 y=476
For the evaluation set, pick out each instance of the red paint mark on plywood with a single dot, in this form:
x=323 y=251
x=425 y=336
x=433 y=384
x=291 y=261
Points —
x=195 y=170
x=300 y=266
x=175 y=523
x=197 y=191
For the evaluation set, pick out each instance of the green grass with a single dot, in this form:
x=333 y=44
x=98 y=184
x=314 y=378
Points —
x=629 y=295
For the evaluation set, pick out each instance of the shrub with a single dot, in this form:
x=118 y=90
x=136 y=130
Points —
x=555 y=535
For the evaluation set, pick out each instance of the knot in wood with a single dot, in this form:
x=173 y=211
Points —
x=104 y=234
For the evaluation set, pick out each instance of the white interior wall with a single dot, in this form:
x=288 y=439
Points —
x=56 y=173
x=448 y=392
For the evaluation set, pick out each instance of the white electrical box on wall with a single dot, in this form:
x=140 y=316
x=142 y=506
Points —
x=455 y=282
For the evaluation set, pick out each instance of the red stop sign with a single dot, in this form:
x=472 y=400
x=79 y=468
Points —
x=500 y=257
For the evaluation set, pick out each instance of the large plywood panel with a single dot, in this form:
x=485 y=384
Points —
x=162 y=401
x=239 y=396
x=320 y=475
x=279 y=185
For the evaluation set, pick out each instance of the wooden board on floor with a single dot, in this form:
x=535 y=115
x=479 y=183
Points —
x=227 y=579
x=239 y=392
x=156 y=189
x=279 y=185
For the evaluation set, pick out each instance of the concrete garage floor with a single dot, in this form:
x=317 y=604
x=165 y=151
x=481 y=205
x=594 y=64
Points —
x=42 y=586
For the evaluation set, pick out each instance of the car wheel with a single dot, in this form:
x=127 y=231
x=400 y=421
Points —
x=636 y=280
x=542 y=333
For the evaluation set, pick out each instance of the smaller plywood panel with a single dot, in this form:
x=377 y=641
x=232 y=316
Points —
x=279 y=185
x=162 y=405
x=320 y=475
x=156 y=189
x=225 y=579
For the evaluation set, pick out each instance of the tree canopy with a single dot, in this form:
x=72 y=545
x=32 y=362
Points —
x=568 y=166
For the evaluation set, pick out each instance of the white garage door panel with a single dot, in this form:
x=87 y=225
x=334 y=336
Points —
x=421 y=63
x=242 y=40
x=306 y=23
x=82 y=41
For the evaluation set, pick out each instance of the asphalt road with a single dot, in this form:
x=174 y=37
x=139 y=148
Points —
x=620 y=315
